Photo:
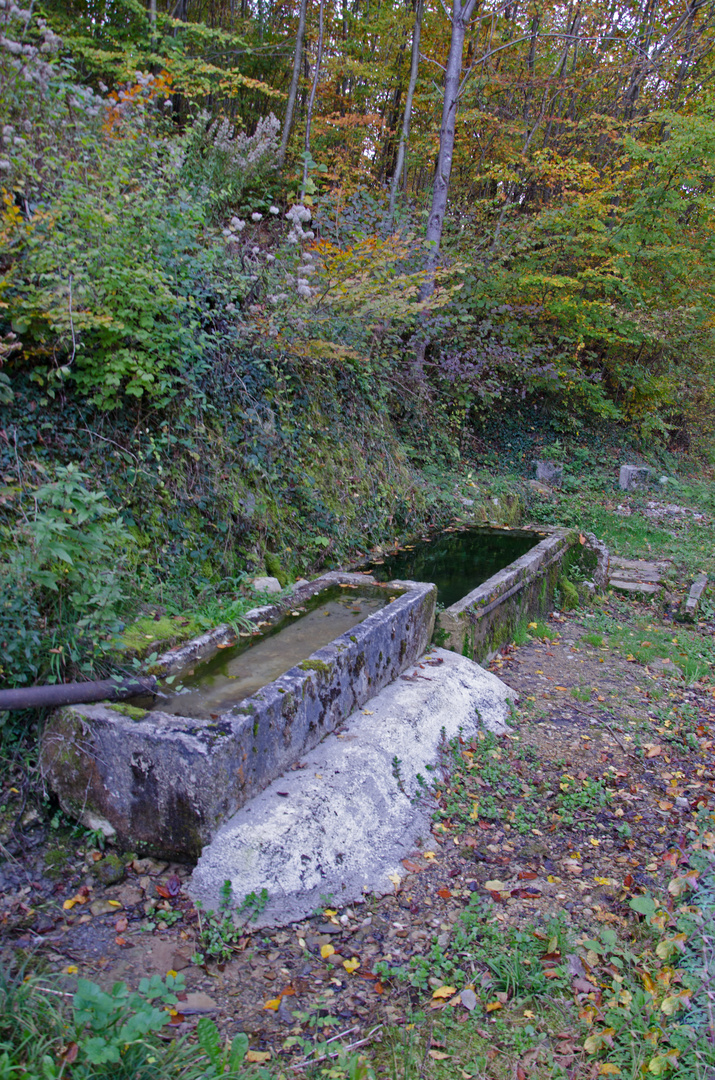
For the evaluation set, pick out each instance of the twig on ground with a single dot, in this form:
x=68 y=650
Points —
x=351 y=1046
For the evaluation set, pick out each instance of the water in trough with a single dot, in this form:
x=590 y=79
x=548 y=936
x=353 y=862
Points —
x=238 y=672
x=456 y=560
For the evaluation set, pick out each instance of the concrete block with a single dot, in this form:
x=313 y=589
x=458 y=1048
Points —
x=548 y=472
x=340 y=827
x=635 y=588
x=689 y=611
x=633 y=477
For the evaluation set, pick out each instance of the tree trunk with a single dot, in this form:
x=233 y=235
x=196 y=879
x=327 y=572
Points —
x=461 y=14
x=311 y=99
x=407 y=118
x=290 y=107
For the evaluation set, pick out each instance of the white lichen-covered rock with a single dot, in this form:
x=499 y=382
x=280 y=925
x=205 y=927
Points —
x=266 y=584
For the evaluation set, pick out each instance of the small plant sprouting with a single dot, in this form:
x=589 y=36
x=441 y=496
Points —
x=220 y=932
x=397 y=773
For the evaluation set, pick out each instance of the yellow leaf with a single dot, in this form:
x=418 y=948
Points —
x=258 y=1055
x=330 y=912
x=607 y=1068
x=528 y=1014
x=648 y=982
x=68 y=905
x=114 y=903
x=72 y=969
x=445 y=992
x=429 y=855
x=395 y=879
x=494 y=1005
x=326 y=951
x=273 y=1004
x=351 y=965
x=670 y=1005
x=172 y=973
x=438 y=1055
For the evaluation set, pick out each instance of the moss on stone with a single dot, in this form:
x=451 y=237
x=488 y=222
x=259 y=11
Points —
x=129 y=710
x=149 y=635
x=316 y=665
x=275 y=569
x=569 y=594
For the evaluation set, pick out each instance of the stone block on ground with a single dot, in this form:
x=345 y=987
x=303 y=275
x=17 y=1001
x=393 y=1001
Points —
x=636 y=588
x=266 y=585
x=633 y=477
x=549 y=473
x=689 y=610
x=339 y=827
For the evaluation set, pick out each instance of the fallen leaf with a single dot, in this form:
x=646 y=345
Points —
x=495 y=886
x=492 y=1006
x=412 y=867
x=444 y=992
x=258 y=1056
x=653 y=750
x=444 y=893
x=274 y=1004
x=70 y=1054
x=326 y=951
x=438 y=1055
x=351 y=965
x=121 y=925
x=607 y=1068
x=429 y=855
x=468 y=999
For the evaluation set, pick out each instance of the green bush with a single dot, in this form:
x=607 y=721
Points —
x=62 y=581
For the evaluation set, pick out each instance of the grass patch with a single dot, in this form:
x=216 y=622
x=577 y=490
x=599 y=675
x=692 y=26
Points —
x=686 y=650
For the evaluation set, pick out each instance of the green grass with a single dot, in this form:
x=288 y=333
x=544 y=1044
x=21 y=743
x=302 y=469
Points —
x=47 y=1033
x=685 y=649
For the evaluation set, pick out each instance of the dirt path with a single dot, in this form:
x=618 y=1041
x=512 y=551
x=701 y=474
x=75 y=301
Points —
x=568 y=818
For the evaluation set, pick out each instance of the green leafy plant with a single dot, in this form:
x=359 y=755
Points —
x=220 y=932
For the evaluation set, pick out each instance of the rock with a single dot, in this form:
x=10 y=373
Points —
x=109 y=870
x=541 y=489
x=152 y=867
x=549 y=473
x=167 y=956
x=266 y=585
x=632 y=477
x=102 y=907
x=127 y=895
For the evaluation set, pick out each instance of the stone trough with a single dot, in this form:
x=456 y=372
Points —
x=487 y=617
x=164 y=784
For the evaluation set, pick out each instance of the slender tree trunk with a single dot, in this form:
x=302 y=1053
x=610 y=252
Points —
x=407 y=118
x=290 y=107
x=461 y=14
x=311 y=99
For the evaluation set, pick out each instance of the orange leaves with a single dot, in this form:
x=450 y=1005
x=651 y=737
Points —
x=119 y=102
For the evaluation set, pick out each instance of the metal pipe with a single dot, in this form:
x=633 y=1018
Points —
x=37 y=697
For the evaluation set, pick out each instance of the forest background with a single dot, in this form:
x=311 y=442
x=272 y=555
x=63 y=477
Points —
x=281 y=282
